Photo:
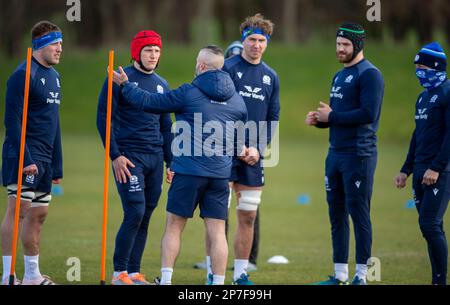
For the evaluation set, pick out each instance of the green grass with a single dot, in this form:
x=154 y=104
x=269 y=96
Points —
x=299 y=232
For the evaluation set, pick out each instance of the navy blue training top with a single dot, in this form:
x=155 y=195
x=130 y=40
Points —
x=131 y=129
x=210 y=101
x=430 y=143
x=43 y=135
x=259 y=86
x=355 y=98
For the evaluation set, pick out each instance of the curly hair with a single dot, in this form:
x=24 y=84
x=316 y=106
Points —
x=258 y=21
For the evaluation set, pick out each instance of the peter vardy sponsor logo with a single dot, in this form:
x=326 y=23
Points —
x=335 y=93
x=159 y=89
x=252 y=92
x=54 y=99
x=421 y=114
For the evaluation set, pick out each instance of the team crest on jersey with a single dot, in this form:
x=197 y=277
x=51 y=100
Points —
x=134 y=184
x=266 y=79
x=43 y=81
x=159 y=89
x=349 y=79
x=136 y=83
x=434 y=99
x=30 y=179
x=239 y=74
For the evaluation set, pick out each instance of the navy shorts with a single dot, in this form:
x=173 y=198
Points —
x=145 y=183
x=42 y=182
x=249 y=175
x=186 y=192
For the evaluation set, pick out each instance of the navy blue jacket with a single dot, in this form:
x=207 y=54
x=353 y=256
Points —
x=430 y=142
x=259 y=86
x=134 y=130
x=212 y=98
x=356 y=97
x=43 y=136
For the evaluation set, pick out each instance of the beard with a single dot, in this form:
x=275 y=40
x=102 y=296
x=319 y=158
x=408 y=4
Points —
x=345 y=59
x=51 y=60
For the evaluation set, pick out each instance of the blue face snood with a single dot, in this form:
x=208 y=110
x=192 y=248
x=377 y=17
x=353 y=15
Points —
x=430 y=79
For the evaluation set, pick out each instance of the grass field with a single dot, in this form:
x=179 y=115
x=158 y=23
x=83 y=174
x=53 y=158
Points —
x=299 y=232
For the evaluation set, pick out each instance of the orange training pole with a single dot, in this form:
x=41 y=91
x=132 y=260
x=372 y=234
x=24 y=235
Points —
x=20 y=171
x=106 y=167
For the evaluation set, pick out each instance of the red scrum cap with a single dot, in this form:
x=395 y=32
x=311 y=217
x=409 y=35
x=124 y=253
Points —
x=142 y=39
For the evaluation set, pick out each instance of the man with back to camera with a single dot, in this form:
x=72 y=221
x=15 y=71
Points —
x=199 y=179
x=235 y=48
x=352 y=117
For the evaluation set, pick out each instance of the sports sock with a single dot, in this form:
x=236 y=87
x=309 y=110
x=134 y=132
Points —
x=31 y=267
x=218 y=279
x=6 y=266
x=166 y=276
x=341 y=272
x=361 y=271
x=240 y=266
x=208 y=266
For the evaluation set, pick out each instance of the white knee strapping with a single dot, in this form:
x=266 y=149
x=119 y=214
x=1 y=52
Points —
x=249 y=200
x=26 y=193
x=230 y=196
x=41 y=200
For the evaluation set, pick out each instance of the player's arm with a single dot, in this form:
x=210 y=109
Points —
x=165 y=123
x=371 y=96
x=101 y=118
x=442 y=159
x=273 y=111
x=57 y=160
x=154 y=102
x=14 y=112
x=172 y=101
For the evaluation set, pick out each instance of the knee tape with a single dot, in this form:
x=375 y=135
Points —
x=249 y=200
x=26 y=194
x=41 y=200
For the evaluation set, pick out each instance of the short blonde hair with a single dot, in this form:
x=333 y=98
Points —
x=258 y=21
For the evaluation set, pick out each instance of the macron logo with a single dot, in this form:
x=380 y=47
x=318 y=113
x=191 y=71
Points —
x=43 y=81
x=435 y=191
x=358 y=183
x=239 y=74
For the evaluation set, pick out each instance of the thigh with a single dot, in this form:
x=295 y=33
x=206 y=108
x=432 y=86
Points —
x=358 y=177
x=154 y=179
x=435 y=200
x=214 y=203
x=250 y=175
x=133 y=190
x=184 y=194
x=334 y=185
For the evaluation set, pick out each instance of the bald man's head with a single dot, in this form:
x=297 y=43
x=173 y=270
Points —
x=209 y=58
